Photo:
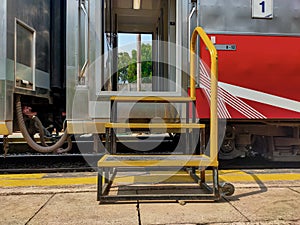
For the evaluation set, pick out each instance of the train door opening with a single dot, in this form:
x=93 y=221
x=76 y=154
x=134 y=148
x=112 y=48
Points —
x=96 y=39
x=148 y=17
x=93 y=69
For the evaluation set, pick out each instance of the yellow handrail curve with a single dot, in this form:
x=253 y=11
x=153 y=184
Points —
x=213 y=86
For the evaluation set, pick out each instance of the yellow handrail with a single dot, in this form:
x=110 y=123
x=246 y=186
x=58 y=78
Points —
x=213 y=86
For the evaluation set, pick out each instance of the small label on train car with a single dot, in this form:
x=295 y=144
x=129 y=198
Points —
x=262 y=9
x=226 y=47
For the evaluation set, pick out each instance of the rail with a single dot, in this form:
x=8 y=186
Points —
x=214 y=86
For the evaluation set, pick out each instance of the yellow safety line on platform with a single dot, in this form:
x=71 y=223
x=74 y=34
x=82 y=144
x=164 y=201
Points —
x=21 y=176
x=27 y=180
x=42 y=181
x=241 y=176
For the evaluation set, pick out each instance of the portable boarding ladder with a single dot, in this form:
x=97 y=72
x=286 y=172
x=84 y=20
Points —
x=110 y=163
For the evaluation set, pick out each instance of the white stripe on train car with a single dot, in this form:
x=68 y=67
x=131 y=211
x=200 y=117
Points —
x=261 y=97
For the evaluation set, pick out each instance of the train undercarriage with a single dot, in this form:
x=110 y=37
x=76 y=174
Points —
x=273 y=140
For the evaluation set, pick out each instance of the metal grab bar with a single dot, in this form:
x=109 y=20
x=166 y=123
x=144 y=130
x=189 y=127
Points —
x=189 y=23
x=213 y=86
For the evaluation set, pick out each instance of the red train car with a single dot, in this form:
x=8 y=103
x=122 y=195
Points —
x=258 y=47
x=257 y=85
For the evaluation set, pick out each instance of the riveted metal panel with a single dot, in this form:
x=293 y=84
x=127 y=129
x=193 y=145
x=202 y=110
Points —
x=9 y=100
x=71 y=53
x=2 y=99
x=36 y=14
x=231 y=16
x=6 y=100
x=6 y=86
x=58 y=44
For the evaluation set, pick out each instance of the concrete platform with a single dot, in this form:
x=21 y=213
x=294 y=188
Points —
x=257 y=201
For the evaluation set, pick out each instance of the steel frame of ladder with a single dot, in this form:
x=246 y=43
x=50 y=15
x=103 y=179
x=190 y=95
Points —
x=169 y=127
x=109 y=164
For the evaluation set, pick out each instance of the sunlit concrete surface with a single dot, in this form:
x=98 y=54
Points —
x=82 y=208
x=262 y=197
x=18 y=209
x=267 y=203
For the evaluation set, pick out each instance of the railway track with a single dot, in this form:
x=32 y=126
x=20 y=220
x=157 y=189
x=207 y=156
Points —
x=30 y=163
x=84 y=160
x=48 y=163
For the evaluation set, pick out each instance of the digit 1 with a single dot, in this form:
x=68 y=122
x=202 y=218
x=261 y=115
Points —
x=263 y=6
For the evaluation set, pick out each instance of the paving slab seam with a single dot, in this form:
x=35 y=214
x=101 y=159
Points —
x=28 y=221
x=292 y=189
x=139 y=212
x=242 y=214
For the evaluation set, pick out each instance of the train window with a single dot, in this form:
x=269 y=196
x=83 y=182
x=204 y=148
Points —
x=128 y=62
x=24 y=55
x=83 y=40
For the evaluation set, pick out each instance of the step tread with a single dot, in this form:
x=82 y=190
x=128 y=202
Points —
x=154 y=160
x=158 y=99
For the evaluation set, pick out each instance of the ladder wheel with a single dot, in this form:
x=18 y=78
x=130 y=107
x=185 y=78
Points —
x=227 y=189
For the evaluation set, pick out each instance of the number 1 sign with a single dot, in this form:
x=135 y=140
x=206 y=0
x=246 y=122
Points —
x=262 y=9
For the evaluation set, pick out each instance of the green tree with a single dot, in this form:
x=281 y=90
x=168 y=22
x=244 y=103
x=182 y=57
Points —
x=127 y=69
x=132 y=69
x=146 y=65
x=124 y=60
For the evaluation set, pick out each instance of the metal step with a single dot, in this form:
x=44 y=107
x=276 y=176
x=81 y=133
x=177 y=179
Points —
x=114 y=161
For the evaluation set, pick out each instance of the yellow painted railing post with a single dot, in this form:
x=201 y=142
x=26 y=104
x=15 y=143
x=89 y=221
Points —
x=213 y=86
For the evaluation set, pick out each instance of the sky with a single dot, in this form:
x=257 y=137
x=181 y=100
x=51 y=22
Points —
x=127 y=42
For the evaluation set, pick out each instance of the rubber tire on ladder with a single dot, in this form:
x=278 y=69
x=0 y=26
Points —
x=227 y=189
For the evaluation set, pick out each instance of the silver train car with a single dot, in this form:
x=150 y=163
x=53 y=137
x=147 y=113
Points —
x=32 y=61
